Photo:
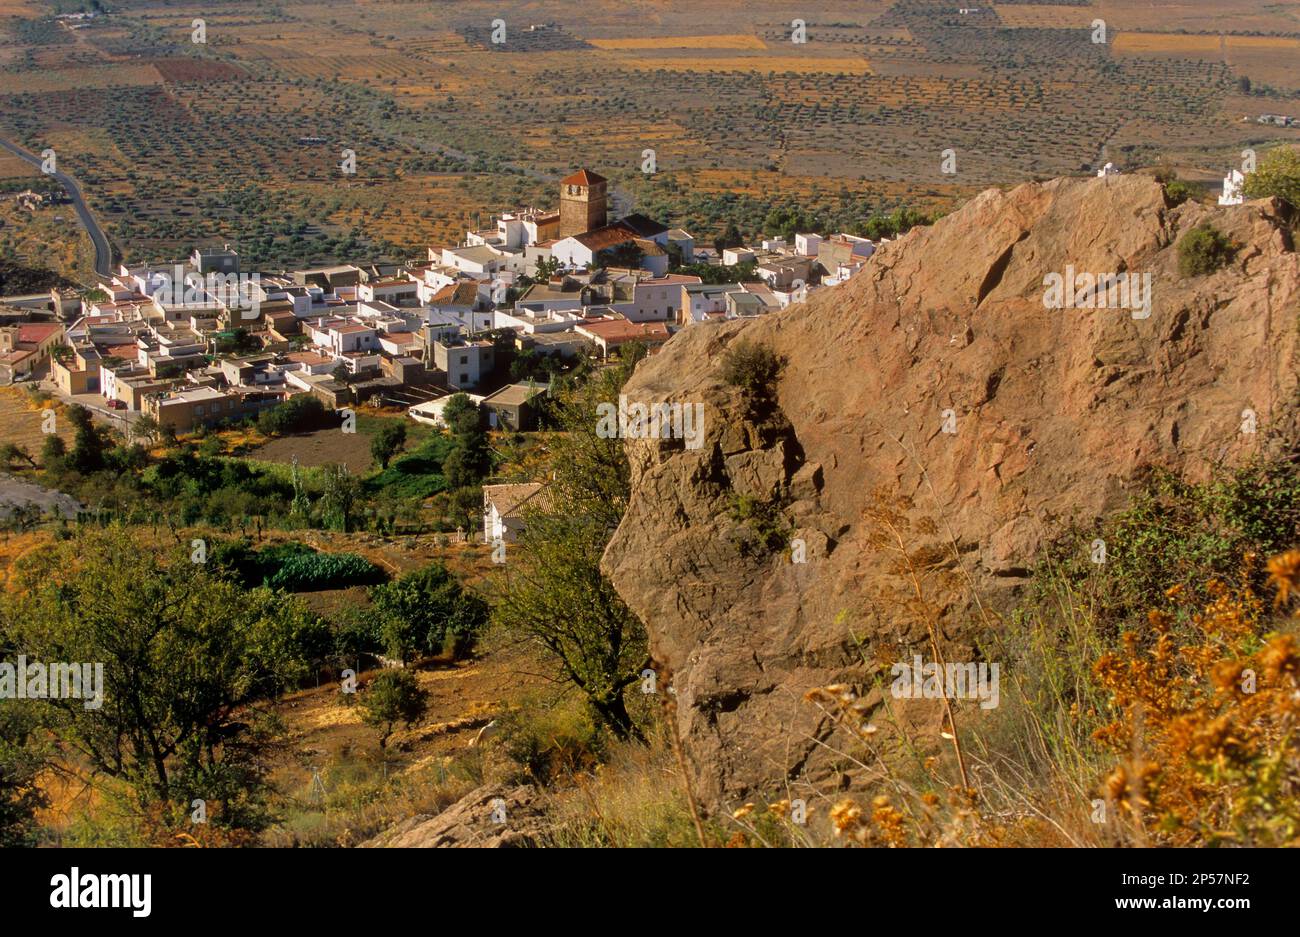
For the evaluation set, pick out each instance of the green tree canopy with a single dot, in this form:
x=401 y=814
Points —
x=393 y=696
x=427 y=611
x=387 y=443
x=184 y=652
x=1278 y=174
x=552 y=592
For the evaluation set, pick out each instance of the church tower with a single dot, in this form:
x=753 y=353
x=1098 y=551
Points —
x=582 y=203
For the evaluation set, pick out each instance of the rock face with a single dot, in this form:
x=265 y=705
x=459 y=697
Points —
x=472 y=821
x=937 y=374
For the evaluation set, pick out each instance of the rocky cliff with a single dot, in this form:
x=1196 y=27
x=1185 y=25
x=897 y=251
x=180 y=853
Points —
x=937 y=374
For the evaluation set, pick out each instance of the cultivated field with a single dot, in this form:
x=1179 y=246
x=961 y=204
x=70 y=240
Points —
x=240 y=140
x=735 y=41
x=20 y=422
x=323 y=447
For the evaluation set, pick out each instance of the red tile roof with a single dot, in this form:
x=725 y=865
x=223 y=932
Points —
x=617 y=331
x=605 y=238
x=33 y=333
x=456 y=294
x=583 y=177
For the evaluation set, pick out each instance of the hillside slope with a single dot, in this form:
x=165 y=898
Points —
x=1054 y=413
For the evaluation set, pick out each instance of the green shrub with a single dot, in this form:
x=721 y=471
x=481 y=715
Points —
x=296 y=415
x=767 y=529
x=1177 y=191
x=294 y=567
x=393 y=696
x=1278 y=176
x=1178 y=534
x=418 y=474
x=387 y=443
x=753 y=368
x=1203 y=250
x=547 y=740
x=427 y=611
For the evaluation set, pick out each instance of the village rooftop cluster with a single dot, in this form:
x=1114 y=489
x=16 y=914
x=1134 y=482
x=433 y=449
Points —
x=560 y=283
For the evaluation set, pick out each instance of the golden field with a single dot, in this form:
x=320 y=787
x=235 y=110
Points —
x=753 y=63
x=735 y=41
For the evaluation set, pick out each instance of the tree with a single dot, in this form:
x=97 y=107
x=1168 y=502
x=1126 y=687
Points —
x=461 y=415
x=21 y=763
x=393 y=696
x=466 y=464
x=88 y=443
x=729 y=238
x=547 y=267
x=470 y=458
x=339 y=498
x=12 y=452
x=146 y=427
x=552 y=592
x=387 y=443
x=426 y=611
x=1277 y=175
x=465 y=507
x=53 y=451
x=297 y=414
x=626 y=254
x=185 y=654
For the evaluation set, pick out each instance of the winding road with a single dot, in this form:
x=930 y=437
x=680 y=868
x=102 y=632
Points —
x=103 y=250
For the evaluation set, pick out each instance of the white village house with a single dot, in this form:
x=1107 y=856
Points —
x=503 y=507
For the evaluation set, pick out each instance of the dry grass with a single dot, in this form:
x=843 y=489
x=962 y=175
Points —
x=14 y=546
x=11 y=167
x=1186 y=737
x=20 y=420
x=23 y=8
x=634 y=800
x=1263 y=42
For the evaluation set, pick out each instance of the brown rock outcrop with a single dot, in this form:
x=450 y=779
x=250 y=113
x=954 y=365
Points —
x=1055 y=411
x=488 y=817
